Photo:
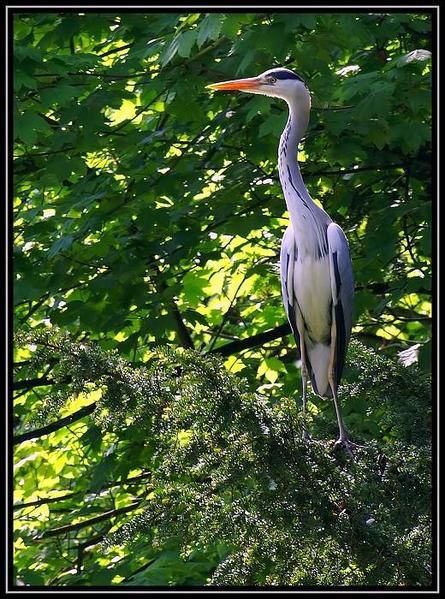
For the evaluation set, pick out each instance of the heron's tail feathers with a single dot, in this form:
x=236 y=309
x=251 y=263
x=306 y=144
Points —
x=318 y=357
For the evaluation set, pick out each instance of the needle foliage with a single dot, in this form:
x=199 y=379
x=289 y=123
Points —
x=229 y=482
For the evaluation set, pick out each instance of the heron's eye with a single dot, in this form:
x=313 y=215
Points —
x=271 y=79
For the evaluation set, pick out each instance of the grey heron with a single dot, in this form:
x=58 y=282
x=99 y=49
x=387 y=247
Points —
x=315 y=264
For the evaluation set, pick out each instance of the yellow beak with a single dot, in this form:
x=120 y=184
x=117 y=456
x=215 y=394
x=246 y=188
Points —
x=236 y=84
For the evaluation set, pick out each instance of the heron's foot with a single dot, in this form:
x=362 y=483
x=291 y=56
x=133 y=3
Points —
x=347 y=444
x=306 y=436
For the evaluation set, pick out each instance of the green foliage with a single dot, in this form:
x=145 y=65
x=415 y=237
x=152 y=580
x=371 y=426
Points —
x=147 y=213
x=132 y=181
x=230 y=493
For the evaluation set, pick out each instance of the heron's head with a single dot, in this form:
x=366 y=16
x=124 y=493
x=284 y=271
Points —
x=278 y=83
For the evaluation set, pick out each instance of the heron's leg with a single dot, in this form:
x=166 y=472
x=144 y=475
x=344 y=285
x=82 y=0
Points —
x=343 y=438
x=341 y=427
x=304 y=377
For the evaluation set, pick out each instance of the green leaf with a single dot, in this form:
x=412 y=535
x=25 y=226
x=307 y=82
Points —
x=60 y=166
x=31 y=577
x=22 y=79
x=275 y=364
x=210 y=28
x=258 y=106
x=92 y=437
x=194 y=285
x=230 y=25
x=60 y=95
x=273 y=125
x=181 y=44
x=102 y=473
x=60 y=245
x=29 y=125
x=186 y=41
x=27 y=53
x=379 y=135
x=29 y=287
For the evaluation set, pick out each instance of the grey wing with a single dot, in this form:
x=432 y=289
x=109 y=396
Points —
x=342 y=286
x=288 y=257
x=287 y=260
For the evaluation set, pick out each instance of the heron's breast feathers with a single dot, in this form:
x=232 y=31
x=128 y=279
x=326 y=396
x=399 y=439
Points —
x=312 y=292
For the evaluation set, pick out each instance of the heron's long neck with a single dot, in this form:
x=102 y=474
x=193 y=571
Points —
x=309 y=222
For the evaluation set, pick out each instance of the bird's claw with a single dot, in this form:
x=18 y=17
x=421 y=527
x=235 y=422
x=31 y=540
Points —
x=306 y=436
x=347 y=445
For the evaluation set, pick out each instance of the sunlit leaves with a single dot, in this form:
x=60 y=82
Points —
x=270 y=369
x=194 y=286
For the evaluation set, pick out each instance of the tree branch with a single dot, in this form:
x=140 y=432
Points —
x=346 y=171
x=226 y=315
x=207 y=49
x=127 y=481
x=241 y=344
x=115 y=50
x=184 y=336
x=55 y=426
x=37 y=382
x=53 y=532
x=182 y=331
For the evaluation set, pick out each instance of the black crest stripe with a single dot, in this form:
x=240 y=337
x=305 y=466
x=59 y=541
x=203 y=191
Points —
x=285 y=75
